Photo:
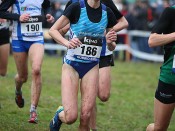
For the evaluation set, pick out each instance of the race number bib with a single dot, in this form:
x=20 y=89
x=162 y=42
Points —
x=91 y=48
x=173 y=68
x=33 y=27
x=88 y=51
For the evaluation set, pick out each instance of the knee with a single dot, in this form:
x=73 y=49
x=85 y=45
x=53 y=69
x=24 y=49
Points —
x=104 y=96
x=150 y=127
x=2 y=74
x=85 y=117
x=22 y=78
x=71 y=117
x=36 y=70
x=158 y=127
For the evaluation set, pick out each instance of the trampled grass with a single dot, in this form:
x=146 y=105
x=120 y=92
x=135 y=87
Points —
x=130 y=107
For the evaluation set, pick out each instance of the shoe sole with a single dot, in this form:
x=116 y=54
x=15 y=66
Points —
x=19 y=105
x=31 y=121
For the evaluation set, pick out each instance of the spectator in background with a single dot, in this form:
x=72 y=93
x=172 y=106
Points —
x=124 y=9
x=130 y=16
x=160 y=7
x=139 y=14
x=140 y=17
x=132 y=26
x=56 y=12
x=122 y=34
x=144 y=16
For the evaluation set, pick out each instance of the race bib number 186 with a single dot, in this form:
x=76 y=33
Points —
x=91 y=47
x=88 y=51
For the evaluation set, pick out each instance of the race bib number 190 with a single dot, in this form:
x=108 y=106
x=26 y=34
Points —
x=33 y=27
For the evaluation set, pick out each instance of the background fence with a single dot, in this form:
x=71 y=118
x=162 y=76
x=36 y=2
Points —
x=132 y=45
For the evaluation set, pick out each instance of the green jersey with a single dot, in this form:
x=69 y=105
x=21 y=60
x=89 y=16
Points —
x=166 y=25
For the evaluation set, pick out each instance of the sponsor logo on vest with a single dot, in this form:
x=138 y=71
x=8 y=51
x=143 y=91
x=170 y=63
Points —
x=33 y=19
x=86 y=40
x=29 y=8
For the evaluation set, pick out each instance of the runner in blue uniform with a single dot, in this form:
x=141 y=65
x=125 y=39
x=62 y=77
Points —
x=106 y=62
x=88 y=22
x=27 y=42
x=106 y=58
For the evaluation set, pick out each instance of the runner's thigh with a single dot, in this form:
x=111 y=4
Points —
x=36 y=53
x=104 y=80
x=163 y=113
x=21 y=63
x=4 y=53
x=89 y=85
x=69 y=89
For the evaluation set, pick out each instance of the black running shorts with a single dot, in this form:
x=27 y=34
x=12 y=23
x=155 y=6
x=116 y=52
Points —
x=106 y=61
x=165 y=93
x=4 y=37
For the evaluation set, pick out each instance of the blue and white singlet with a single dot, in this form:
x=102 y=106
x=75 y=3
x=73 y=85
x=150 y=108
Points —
x=31 y=30
x=90 y=34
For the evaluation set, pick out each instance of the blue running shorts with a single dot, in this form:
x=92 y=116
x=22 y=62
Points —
x=81 y=68
x=23 y=46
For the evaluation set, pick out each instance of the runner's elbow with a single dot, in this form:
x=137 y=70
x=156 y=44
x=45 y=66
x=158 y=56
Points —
x=151 y=42
x=51 y=31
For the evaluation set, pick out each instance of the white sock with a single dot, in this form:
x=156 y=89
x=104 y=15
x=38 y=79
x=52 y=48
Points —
x=32 y=108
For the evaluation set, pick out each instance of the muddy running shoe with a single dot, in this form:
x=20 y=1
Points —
x=19 y=100
x=33 y=117
x=55 y=123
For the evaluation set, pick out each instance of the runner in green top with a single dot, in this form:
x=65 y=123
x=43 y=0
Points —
x=163 y=34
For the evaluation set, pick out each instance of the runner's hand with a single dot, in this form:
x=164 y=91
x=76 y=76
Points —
x=3 y=20
x=111 y=36
x=73 y=43
x=50 y=18
x=24 y=17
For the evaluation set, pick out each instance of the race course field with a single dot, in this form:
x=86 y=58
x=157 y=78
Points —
x=130 y=107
